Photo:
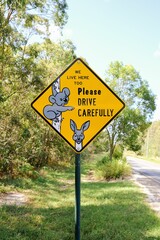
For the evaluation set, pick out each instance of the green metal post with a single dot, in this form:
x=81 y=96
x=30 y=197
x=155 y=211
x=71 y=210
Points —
x=77 y=196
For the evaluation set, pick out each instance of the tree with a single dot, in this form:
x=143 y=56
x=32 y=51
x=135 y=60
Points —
x=127 y=128
x=42 y=62
x=26 y=142
x=25 y=69
x=151 y=146
x=21 y=19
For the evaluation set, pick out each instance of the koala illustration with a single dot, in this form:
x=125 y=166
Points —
x=59 y=100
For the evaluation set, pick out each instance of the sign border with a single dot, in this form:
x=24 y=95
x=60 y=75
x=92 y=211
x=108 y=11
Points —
x=78 y=59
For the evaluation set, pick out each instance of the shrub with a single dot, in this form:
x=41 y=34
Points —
x=118 y=152
x=112 y=169
x=103 y=161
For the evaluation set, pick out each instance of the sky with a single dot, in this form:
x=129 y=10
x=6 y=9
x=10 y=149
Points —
x=104 y=31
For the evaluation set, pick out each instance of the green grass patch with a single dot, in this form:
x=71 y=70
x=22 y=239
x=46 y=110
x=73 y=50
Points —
x=150 y=159
x=109 y=211
x=143 y=157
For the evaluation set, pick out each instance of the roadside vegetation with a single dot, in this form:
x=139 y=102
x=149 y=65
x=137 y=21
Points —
x=115 y=169
x=151 y=146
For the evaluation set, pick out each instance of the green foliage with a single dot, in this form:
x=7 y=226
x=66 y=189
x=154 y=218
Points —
x=26 y=68
x=100 y=144
x=107 y=169
x=118 y=152
x=26 y=142
x=103 y=161
x=151 y=143
x=128 y=128
x=21 y=20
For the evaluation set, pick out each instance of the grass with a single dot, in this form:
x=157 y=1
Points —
x=150 y=159
x=109 y=211
x=143 y=157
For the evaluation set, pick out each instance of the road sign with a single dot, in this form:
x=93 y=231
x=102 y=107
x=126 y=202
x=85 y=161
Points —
x=78 y=105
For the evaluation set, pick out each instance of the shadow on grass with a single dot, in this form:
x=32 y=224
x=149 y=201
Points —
x=24 y=223
x=122 y=214
x=113 y=211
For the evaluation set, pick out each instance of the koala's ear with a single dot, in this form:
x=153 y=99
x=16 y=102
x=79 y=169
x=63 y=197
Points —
x=52 y=99
x=66 y=91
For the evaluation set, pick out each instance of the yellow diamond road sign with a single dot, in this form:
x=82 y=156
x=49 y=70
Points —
x=78 y=105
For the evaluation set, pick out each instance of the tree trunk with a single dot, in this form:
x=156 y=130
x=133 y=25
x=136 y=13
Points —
x=57 y=125
x=112 y=144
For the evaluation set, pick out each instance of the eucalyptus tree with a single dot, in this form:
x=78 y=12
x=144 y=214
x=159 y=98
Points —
x=21 y=19
x=127 y=128
x=26 y=67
